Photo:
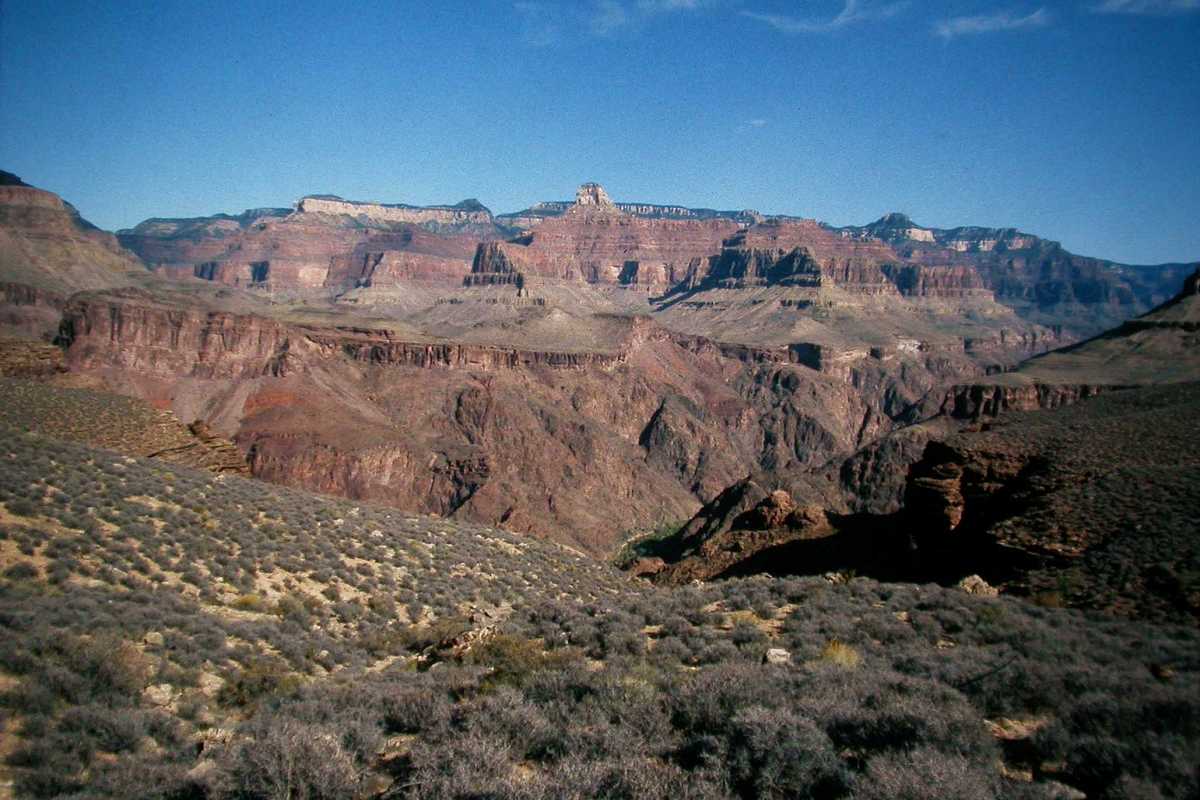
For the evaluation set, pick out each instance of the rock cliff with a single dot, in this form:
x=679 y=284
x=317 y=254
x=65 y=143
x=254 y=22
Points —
x=325 y=243
x=47 y=251
x=575 y=444
x=464 y=215
x=595 y=242
x=1003 y=482
x=1038 y=278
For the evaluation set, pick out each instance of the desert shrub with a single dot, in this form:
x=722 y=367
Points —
x=30 y=697
x=113 y=730
x=258 y=679
x=438 y=633
x=22 y=570
x=472 y=765
x=415 y=706
x=924 y=773
x=512 y=660
x=840 y=653
x=22 y=507
x=1151 y=735
x=777 y=754
x=146 y=777
x=871 y=711
x=54 y=776
x=113 y=669
x=297 y=608
x=285 y=759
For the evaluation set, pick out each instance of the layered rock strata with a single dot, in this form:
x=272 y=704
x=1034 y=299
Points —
x=595 y=242
x=538 y=440
x=48 y=251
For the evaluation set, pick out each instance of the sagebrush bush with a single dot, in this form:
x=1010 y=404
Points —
x=580 y=683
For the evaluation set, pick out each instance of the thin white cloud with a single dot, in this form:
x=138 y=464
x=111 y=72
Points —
x=852 y=13
x=991 y=23
x=541 y=25
x=656 y=6
x=609 y=16
x=746 y=126
x=1153 y=7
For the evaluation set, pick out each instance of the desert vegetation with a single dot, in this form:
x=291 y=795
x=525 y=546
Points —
x=174 y=633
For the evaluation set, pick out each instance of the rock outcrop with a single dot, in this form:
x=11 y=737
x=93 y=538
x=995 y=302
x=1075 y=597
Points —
x=465 y=214
x=48 y=251
x=1070 y=506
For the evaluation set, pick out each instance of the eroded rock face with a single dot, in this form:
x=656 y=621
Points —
x=595 y=242
x=1005 y=481
x=1038 y=278
x=48 y=251
x=1086 y=506
x=466 y=213
x=592 y=195
x=770 y=523
x=576 y=445
x=325 y=243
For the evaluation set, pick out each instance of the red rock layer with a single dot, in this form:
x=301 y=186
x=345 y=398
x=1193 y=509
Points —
x=308 y=251
x=47 y=252
x=577 y=446
x=803 y=253
x=600 y=244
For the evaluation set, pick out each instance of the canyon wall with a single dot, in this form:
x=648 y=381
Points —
x=325 y=243
x=595 y=242
x=573 y=445
x=48 y=251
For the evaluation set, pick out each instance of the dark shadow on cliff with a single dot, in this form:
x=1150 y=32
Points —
x=882 y=547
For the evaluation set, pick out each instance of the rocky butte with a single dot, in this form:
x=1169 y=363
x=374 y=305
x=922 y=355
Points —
x=596 y=242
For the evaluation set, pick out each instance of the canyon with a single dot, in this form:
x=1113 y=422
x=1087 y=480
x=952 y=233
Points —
x=1067 y=480
x=603 y=369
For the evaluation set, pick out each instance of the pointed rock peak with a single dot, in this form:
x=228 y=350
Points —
x=898 y=227
x=593 y=195
x=896 y=220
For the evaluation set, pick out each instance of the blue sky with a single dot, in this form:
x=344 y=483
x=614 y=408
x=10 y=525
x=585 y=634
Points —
x=1079 y=121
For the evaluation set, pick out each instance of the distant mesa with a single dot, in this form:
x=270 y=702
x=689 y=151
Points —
x=466 y=212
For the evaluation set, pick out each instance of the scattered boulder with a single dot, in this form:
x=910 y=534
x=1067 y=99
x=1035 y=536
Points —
x=973 y=584
x=161 y=694
x=772 y=512
x=647 y=567
x=777 y=655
